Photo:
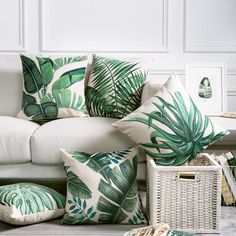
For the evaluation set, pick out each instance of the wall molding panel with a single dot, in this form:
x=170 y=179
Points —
x=48 y=45
x=19 y=45
x=208 y=46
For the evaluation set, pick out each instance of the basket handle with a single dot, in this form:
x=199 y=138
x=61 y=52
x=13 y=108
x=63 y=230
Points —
x=190 y=176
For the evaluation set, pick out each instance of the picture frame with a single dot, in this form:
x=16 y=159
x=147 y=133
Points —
x=206 y=84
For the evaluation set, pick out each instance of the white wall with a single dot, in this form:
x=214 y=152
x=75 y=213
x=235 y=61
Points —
x=167 y=33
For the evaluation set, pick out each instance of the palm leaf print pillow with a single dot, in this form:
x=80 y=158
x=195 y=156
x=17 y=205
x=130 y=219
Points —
x=114 y=87
x=53 y=87
x=28 y=203
x=170 y=127
x=102 y=188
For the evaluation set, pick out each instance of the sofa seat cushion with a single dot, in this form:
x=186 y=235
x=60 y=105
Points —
x=87 y=134
x=15 y=140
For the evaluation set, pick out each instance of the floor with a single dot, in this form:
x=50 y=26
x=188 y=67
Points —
x=228 y=228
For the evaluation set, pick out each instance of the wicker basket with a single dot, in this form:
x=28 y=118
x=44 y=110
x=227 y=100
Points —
x=187 y=198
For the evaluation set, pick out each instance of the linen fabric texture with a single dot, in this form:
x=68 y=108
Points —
x=53 y=87
x=29 y=203
x=170 y=127
x=102 y=188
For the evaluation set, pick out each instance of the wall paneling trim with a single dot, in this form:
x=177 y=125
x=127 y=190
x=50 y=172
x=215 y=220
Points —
x=12 y=25
x=209 y=26
x=124 y=26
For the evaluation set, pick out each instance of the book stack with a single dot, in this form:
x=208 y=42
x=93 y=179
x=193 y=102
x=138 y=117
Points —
x=228 y=164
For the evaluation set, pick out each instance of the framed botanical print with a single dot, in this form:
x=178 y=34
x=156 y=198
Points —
x=206 y=84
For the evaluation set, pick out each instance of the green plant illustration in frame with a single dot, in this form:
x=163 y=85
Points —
x=205 y=89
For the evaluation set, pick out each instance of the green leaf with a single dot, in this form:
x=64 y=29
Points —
x=46 y=67
x=31 y=198
x=77 y=187
x=116 y=88
x=121 y=198
x=182 y=134
x=27 y=100
x=65 y=98
x=205 y=89
x=71 y=220
x=90 y=210
x=69 y=78
x=32 y=77
x=100 y=162
x=59 y=62
x=78 y=213
x=82 y=157
x=46 y=110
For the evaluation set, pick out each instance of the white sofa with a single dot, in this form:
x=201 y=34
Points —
x=31 y=151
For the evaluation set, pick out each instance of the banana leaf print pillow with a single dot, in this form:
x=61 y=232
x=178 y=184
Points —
x=53 y=87
x=114 y=87
x=170 y=127
x=102 y=188
x=28 y=203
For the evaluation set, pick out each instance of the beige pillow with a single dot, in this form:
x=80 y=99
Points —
x=53 y=87
x=102 y=188
x=29 y=203
x=170 y=127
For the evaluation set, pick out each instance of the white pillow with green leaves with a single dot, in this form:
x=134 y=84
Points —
x=28 y=203
x=114 y=87
x=170 y=127
x=102 y=188
x=53 y=87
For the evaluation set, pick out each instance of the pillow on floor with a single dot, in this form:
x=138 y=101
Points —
x=53 y=87
x=28 y=203
x=102 y=188
x=114 y=87
x=170 y=127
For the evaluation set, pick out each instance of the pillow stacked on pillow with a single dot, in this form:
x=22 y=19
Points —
x=170 y=127
x=53 y=87
x=28 y=203
x=114 y=87
x=102 y=188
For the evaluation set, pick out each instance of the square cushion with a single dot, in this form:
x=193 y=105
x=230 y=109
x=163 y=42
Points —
x=102 y=188
x=114 y=87
x=28 y=203
x=53 y=87
x=170 y=127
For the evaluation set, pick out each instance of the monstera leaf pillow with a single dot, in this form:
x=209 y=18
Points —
x=114 y=87
x=102 y=188
x=28 y=203
x=170 y=127
x=53 y=87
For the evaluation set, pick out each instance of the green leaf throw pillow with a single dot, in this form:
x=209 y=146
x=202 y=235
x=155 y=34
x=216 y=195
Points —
x=28 y=203
x=114 y=87
x=102 y=188
x=53 y=87
x=170 y=127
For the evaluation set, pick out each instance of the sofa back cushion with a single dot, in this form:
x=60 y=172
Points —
x=10 y=85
